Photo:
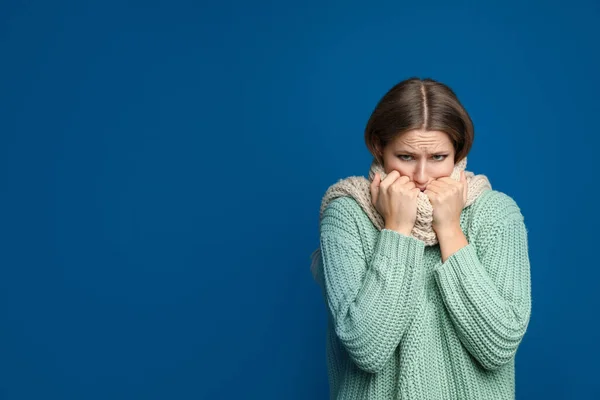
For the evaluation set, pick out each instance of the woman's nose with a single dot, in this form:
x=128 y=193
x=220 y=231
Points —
x=420 y=176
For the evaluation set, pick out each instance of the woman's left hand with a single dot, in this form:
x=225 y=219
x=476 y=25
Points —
x=448 y=198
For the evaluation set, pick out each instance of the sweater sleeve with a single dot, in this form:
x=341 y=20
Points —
x=371 y=301
x=488 y=295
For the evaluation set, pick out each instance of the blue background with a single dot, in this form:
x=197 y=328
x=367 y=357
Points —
x=163 y=165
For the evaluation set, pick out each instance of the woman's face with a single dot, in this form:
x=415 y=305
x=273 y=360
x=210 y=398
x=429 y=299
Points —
x=421 y=155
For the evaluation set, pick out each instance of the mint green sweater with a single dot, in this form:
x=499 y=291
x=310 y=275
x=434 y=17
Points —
x=404 y=325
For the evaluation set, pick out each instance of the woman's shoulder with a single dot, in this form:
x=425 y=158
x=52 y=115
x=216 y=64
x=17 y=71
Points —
x=346 y=213
x=344 y=207
x=494 y=207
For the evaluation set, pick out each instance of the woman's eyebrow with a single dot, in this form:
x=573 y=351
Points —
x=413 y=153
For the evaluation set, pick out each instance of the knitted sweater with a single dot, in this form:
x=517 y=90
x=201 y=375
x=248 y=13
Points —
x=404 y=325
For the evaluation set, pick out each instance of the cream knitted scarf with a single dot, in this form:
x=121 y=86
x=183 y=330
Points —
x=358 y=188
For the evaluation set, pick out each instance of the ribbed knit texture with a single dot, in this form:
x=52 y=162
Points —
x=404 y=325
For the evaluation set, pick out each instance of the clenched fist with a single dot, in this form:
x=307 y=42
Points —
x=396 y=200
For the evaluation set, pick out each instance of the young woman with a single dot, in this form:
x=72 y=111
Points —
x=424 y=268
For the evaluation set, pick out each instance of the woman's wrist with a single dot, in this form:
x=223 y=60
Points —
x=448 y=232
x=451 y=239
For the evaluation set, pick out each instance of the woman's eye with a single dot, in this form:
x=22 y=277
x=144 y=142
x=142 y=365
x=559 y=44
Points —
x=406 y=157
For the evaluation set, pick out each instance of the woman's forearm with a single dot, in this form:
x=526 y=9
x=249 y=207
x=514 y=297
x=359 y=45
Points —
x=451 y=239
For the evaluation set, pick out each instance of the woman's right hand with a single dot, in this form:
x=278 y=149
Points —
x=396 y=200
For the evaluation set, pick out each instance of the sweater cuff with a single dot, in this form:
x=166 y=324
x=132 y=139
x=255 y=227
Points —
x=463 y=262
x=399 y=246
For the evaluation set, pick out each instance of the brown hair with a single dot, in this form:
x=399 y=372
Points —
x=419 y=104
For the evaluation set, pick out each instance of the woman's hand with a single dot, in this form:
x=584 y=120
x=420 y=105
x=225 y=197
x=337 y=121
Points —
x=448 y=198
x=396 y=200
